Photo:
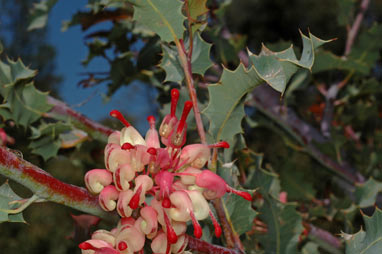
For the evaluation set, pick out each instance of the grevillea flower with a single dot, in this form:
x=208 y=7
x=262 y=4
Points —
x=174 y=179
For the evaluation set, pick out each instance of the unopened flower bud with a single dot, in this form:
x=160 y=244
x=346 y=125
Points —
x=107 y=198
x=97 y=179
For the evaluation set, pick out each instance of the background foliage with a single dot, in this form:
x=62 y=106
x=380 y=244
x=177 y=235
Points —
x=314 y=156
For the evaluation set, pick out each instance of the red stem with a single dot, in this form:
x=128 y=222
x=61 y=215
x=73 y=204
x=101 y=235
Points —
x=204 y=247
x=60 y=108
x=46 y=186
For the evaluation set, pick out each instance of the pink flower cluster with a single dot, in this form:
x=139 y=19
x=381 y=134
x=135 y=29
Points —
x=155 y=190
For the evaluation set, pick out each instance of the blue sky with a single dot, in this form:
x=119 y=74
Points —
x=71 y=50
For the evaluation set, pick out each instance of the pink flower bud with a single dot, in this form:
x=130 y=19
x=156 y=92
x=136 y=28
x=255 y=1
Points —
x=104 y=235
x=215 y=185
x=139 y=158
x=148 y=222
x=200 y=205
x=178 y=135
x=182 y=206
x=195 y=155
x=122 y=176
x=132 y=136
x=94 y=246
x=123 y=207
x=129 y=240
x=152 y=137
x=164 y=179
x=143 y=183
x=107 y=198
x=159 y=244
x=188 y=176
x=97 y=179
x=116 y=158
x=114 y=138
x=180 y=245
x=168 y=124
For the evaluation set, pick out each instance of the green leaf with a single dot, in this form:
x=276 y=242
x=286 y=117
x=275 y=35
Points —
x=366 y=193
x=276 y=68
x=164 y=17
x=7 y=195
x=197 y=9
x=11 y=73
x=310 y=248
x=326 y=60
x=171 y=65
x=240 y=212
x=295 y=184
x=26 y=104
x=369 y=241
x=1 y=47
x=200 y=61
x=284 y=223
x=226 y=106
x=46 y=139
x=39 y=15
x=200 y=55
x=366 y=50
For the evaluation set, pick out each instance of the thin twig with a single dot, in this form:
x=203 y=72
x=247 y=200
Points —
x=353 y=31
x=189 y=27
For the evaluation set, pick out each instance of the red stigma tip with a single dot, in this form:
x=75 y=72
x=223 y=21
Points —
x=152 y=151
x=171 y=235
x=166 y=203
x=186 y=110
x=197 y=228
x=85 y=246
x=151 y=120
x=218 y=229
x=174 y=100
x=127 y=146
x=119 y=116
x=122 y=245
x=221 y=144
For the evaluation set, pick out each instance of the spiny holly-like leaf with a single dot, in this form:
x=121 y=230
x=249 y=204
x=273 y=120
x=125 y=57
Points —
x=25 y=104
x=7 y=195
x=366 y=193
x=240 y=212
x=326 y=60
x=164 y=17
x=369 y=242
x=276 y=68
x=200 y=61
x=46 y=139
x=39 y=16
x=11 y=73
x=171 y=65
x=226 y=106
x=284 y=223
x=200 y=55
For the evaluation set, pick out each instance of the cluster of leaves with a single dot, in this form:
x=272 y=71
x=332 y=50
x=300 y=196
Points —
x=321 y=144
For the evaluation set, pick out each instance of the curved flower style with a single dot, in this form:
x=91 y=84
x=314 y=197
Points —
x=173 y=177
